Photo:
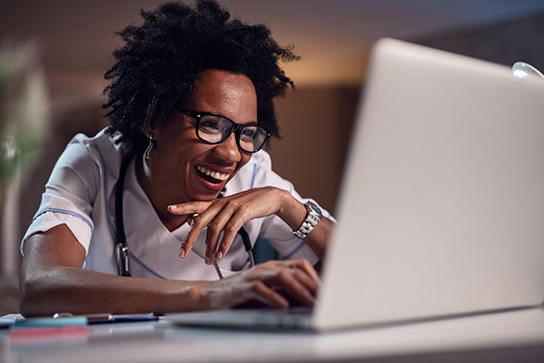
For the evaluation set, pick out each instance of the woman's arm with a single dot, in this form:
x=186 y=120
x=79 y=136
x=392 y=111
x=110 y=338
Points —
x=52 y=280
x=294 y=213
x=226 y=215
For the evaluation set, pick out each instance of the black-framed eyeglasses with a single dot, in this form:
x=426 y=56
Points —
x=214 y=129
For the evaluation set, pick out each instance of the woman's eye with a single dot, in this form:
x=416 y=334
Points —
x=248 y=134
x=209 y=125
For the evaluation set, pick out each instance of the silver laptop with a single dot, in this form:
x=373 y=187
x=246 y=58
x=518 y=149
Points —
x=442 y=204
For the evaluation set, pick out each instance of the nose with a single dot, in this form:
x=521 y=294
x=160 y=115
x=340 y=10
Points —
x=228 y=150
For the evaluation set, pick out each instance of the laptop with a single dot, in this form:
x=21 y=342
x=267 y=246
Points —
x=441 y=206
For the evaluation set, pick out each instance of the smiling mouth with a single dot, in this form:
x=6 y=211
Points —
x=212 y=176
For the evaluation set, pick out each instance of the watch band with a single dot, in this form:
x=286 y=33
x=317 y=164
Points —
x=312 y=219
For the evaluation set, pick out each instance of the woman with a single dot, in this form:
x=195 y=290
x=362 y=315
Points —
x=191 y=105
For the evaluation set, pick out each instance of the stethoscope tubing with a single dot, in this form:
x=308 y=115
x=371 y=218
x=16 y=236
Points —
x=121 y=247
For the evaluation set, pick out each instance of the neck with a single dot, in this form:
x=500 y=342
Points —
x=152 y=189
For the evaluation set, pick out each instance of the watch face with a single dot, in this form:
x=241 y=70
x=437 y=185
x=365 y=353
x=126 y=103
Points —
x=311 y=221
x=314 y=208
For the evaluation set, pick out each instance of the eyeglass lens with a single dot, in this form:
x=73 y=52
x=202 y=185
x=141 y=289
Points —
x=216 y=129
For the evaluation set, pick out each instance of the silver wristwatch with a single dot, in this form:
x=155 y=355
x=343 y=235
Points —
x=313 y=218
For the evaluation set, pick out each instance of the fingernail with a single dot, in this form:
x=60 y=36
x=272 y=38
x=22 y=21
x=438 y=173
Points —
x=182 y=253
x=219 y=254
x=208 y=261
x=173 y=208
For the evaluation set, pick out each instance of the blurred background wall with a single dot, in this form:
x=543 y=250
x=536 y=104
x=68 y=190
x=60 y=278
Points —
x=334 y=38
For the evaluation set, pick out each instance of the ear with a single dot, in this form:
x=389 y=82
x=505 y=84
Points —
x=150 y=132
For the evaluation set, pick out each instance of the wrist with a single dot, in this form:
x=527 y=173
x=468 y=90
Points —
x=218 y=294
x=184 y=296
x=206 y=296
x=313 y=217
x=292 y=211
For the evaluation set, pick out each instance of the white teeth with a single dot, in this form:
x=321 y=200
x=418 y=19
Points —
x=213 y=174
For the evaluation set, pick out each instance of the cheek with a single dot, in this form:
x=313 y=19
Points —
x=187 y=149
x=245 y=159
x=190 y=155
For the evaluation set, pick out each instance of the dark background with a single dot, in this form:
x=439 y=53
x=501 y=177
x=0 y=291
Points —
x=76 y=39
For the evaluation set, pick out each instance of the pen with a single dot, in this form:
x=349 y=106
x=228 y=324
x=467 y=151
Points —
x=68 y=319
x=134 y=317
x=110 y=318
x=91 y=318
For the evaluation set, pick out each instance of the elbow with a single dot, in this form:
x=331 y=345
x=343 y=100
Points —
x=26 y=299
x=31 y=301
x=25 y=309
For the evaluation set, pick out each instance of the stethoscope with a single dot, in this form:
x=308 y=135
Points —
x=121 y=247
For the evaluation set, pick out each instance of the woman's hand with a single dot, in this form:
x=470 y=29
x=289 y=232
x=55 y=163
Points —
x=52 y=279
x=230 y=213
x=273 y=283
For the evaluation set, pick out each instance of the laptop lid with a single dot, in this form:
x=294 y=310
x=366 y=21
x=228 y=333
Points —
x=440 y=211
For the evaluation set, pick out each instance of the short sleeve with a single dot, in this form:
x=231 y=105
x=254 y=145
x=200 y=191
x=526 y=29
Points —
x=69 y=194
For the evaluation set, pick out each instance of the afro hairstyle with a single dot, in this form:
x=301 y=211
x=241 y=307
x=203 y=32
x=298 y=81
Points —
x=163 y=58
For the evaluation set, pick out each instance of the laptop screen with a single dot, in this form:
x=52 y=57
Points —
x=443 y=194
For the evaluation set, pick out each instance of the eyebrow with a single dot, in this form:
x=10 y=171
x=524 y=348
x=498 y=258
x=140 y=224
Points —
x=250 y=123
x=204 y=113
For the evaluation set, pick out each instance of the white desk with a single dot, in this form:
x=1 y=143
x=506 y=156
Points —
x=516 y=336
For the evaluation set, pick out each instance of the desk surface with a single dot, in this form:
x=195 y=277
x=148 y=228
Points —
x=515 y=336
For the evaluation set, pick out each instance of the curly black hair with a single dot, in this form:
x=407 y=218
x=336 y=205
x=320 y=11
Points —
x=164 y=57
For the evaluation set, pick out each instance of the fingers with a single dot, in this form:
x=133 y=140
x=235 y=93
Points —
x=197 y=220
x=300 y=286
x=220 y=217
x=307 y=267
x=187 y=243
x=274 y=283
x=222 y=227
x=189 y=208
x=214 y=238
x=290 y=278
x=228 y=224
x=269 y=296
x=224 y=217
x=192 y=209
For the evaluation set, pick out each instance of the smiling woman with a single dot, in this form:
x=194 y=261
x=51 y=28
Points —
x=172 y=182
x=171 y=174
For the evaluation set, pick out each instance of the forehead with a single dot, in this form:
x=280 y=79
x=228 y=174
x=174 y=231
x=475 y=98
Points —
x=225 y=93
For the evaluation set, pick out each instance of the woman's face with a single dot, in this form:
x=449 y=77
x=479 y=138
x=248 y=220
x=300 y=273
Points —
x=180 y=161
